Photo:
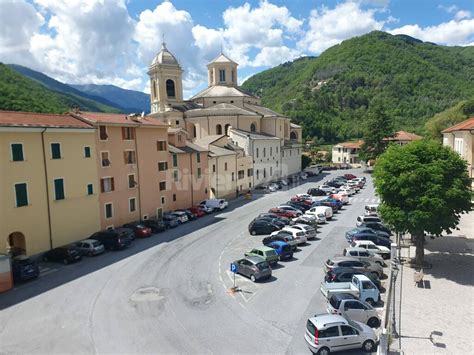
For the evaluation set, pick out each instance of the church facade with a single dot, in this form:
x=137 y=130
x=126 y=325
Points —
x=247 y=144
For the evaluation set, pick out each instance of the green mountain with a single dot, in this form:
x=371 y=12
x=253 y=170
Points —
x=20 y=93
x=330 y=95
x=447 y=118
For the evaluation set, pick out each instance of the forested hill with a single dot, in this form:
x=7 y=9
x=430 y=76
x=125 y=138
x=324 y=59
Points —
x=330 y=94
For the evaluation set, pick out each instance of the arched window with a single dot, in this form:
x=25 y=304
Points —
x=218 y=129
x=170 y=91
x=153 y=89
x=227 y=129
x=293 y=135
x=253 y=127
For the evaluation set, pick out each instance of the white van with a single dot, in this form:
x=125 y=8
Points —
x=371 y=210
x=327 y=211
x=367 y=219
x=215 y=204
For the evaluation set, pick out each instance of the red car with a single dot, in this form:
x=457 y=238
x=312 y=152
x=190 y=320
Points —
x=349 y=176
x=198 y=211
x=301 y=199
x=139 y=229
x=283 y=213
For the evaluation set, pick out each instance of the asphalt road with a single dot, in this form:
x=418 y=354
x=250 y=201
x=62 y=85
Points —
x=170 y=293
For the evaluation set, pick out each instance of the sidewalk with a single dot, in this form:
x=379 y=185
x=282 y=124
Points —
x=437 y=317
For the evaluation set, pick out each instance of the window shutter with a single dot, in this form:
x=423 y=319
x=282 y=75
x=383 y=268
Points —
x=123 y=132
x=132 y=133
x=21 y=195
x=112 y=184
x=102 y=187
x=125 y=157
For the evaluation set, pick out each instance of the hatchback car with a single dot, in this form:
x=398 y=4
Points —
x=345 y=274
x=361 y=265
x=298 y=234
x=90 y=247
x=307 y=219
x=292 y=209
x=377 y=227
x=253 y=267
x=191 y=215
x=170 y=221
x=283 y=213
x=377 y=240
x=283 y=249
x=281 y=219
x=310 y=232
x=259 y=227
x=23 y=269
x=332 y=332
x=139 y=229
x=348 y=305
x=384 y=252
x=197 y=211
x=66 y=255
x=114 y=239
x=365 y=219
x=180 y=216
x=283 y=236
x=364 y=254
x=266 y=253
x=155 y=225
x=275 y=221
x=317 y=192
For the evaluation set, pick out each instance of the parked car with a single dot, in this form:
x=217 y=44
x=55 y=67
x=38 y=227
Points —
x=170 y=221
x=191 y=216
x=324 y=203
x=283 y=249
x=283 y=213
x=114 y=239
x=347 y=190
x=360 y=286
x=364 y=254
x=384 y=252
x=66 y=255
x=197 y=211
x=298 y=235
x=139 y=229
x=155 y=225
x=284 y=182
x=300 y=206
x=328 y=189
x=90 y=247
x=283 y=236
x=308 y=219
x=350 y=306
x=365 y=230
x=371 y=210
x=263 y=189
x=345 y=274
x=24 y=268
x=333 y=202
x=266 y=253
x=350 y=176
x=362 y=265
x=255 y=268
x=317 y=192
x=377 y=227
x=180 y=216
x=331 y=332
x=382 y=241
x=284 y=220
x=334 y=184
x=215 y=203
x=272 y=220
x=366 y=219
x=341 y=196
x=258 y=227
x=309 y=231
x=285 y=207
x=327 y=211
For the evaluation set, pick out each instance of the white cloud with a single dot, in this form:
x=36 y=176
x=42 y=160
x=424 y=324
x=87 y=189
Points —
x=19 y=21
x=449 y=33
x=328 y=27
x=462 y=14
x=271 y=56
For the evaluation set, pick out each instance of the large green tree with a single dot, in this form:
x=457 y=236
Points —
x=424 y=187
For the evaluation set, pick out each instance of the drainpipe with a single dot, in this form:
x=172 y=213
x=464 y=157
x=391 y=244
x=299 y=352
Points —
x=236 y=177
x=47 y=191
x=138 y=175
x=191 y=176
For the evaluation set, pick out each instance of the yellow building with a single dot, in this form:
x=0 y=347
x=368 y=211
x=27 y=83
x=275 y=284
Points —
x=48 y=182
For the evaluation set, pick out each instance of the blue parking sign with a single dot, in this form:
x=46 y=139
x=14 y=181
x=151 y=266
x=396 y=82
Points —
x=233 y=267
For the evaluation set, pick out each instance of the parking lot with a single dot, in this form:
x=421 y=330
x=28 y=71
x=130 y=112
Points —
x=170 y=293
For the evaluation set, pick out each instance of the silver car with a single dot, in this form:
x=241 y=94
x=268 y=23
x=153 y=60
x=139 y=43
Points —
x=362 y=265
x=90 y=247
x=253 y=267
x=331 y=332
x=350 y=306
x=364 y=254
x=309 y=231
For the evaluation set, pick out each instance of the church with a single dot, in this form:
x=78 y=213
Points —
x=247 y=144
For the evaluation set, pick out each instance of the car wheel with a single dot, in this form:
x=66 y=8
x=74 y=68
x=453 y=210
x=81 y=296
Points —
x=253 y=232
x=252 y=278
x=65 y=262
x=370 y=301
x=368 y=346
x=324 y=351
x=373 y=322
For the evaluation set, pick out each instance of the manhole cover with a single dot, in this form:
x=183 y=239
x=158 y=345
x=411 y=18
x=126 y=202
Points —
x=146 y=294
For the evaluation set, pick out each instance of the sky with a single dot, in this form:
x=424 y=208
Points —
x=114 y=41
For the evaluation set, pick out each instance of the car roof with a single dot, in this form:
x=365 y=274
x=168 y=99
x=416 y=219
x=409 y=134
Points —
x=87 y=241
x=343 y=296
x=263 y=248
x=357 y=249
x=338 y=258
x=322 y=321
x=254 y=259
x=278 y=242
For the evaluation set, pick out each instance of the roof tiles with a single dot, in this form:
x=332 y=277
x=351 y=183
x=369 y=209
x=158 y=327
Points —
x=46 y=120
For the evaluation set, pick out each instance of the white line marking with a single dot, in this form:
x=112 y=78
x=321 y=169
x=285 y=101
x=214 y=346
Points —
x=48 y=272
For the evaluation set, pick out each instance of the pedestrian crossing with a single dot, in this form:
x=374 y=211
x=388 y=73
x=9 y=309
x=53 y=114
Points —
x=46 y=270
x=366 y=200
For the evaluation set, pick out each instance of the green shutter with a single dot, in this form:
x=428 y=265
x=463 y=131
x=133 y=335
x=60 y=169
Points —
x=198 y=157
x=59 y=189
x=56 y=150
x=175 y=160
x=87 y=152
x=21 y=195
x=90 y=189
x=17 y=152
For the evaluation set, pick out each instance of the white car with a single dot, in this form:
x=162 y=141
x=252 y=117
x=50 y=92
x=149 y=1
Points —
x=364 y=254
x=384 y=252
x=367 y=219
x=310 y=232
x=347 y=190
x=332 y=332
x=327 y=211
x=371 y=210
x=272 y=187
x=215 y=203
x=327 y=188
x=341 y=196
x=298 y=234
x=181 y=216
x=307 y=219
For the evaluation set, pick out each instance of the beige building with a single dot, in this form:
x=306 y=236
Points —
x=459 y=138
x=346 y=153
x=225 y=109
x=48 y=184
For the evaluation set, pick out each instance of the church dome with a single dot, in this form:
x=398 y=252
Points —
x=164 y=57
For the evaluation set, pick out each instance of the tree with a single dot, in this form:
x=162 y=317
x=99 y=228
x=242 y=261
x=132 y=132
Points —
x=378 y=126
x=305 y=161
x=424 y=187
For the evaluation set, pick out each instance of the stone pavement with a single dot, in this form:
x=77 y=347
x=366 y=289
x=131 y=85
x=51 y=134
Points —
x=437 y=316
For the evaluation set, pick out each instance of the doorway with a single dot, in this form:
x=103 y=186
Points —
x=16 y=244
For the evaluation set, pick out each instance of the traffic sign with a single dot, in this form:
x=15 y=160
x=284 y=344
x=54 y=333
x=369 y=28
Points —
x=233 y=268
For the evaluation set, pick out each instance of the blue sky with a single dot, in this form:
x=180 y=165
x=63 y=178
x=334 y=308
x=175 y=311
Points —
x=113 y=41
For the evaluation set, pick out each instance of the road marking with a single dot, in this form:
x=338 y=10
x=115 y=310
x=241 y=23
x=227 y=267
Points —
x=47 y=272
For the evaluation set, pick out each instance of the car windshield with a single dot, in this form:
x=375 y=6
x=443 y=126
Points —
x=355 y=325
x=96 y=244
x=271 y=253
x=263 y=265
x=310 y=327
